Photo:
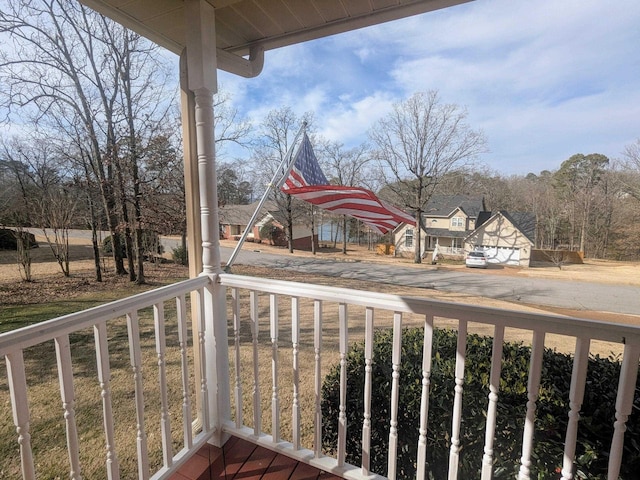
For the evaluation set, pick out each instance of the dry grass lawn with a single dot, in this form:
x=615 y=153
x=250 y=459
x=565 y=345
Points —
x=47 y=426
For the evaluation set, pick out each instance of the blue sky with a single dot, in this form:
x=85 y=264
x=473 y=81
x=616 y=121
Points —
x=542 y=79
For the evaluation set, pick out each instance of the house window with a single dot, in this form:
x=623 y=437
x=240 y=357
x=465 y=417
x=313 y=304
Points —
x=457 y=222
x=408 y=237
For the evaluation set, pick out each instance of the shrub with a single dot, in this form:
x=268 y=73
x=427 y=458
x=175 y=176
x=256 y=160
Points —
x=179 y=255
x=107 y=245
x=273 y=234
x=594 y=432
x=150 y=245
x=9 y=239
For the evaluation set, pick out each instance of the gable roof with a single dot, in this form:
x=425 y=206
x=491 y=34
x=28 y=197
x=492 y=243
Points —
x=482 y=218
x=444 y=205
x=241 y=214
x=525 y=222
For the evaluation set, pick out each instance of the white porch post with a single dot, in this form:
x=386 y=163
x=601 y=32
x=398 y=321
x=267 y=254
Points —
x=202 y=81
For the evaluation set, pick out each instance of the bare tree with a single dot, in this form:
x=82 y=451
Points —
x=47 y=202
x=55 y=68
x=348 y=168
x=69 y=66
x=631 y=164
x=578 y=181
x=278 y=132
x=418 y=143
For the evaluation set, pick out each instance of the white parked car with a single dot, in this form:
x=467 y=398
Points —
x=476 y=259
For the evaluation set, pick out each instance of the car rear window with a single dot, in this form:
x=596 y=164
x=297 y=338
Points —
x=476 y=254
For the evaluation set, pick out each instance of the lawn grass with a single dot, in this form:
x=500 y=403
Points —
x=47 y=426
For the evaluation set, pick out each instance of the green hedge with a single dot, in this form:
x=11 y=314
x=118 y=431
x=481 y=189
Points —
x=594 y=433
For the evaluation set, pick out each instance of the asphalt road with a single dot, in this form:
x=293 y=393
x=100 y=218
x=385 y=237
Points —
x=554 y=293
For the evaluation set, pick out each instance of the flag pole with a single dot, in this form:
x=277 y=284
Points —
x=282 y=171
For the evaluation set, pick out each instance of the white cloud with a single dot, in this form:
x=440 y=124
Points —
x=350 y=121
x=542 y=79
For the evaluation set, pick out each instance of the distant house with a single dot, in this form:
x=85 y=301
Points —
x=447 y=220
x=455 y=224
x=234 y=220
x=506 y=238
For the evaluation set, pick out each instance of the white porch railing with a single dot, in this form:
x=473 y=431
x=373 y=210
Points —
x=283 y=337
x=450 y=250
x=105 y=321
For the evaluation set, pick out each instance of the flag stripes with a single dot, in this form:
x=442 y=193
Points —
x=355 y=202
x=306 y=181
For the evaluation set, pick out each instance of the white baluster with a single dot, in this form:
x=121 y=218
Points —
x=181 y=308
x=342 y=416
x=20 y=409
x=165 y=426
x=427 y=349
x=135 y=356
x=454 y=454
x=199 y=337
x=65 y=378
x=275 y=400
x=368 y=360
x=533 y=386
x=235 y=309
x=104 y=377
x=396 y=357
x=494 y=388
x=257 y=412
x=624 y=404
x=295 y=341
x=317 y=345
x=576 y=395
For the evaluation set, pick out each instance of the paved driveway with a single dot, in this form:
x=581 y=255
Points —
x=555 y=293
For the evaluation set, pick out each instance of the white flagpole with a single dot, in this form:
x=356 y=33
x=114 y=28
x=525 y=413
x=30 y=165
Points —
x=282 y=171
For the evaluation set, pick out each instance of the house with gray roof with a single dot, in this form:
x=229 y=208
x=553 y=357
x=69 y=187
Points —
x=234 y=220
x=446 y=221
x=455 y=224
x=505 y=238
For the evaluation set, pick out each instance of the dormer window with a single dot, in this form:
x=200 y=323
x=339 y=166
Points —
x=457 y=222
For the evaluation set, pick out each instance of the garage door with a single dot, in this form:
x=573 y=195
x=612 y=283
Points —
x=503 y=255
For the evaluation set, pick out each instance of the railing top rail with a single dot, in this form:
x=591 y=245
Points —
x=41 y=332
x=558 y=324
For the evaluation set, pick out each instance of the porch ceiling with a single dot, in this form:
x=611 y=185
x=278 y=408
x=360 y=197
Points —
x=243 y=24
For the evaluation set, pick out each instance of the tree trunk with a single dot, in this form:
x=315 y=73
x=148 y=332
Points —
x=289 y=224
x=96 y=247
x=344 y=234
x=313 y=232
x=418 y=239
x=124 y=211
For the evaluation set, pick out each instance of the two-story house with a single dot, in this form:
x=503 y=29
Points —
x=447 y=220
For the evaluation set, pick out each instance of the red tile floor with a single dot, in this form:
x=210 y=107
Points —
x=239 y=459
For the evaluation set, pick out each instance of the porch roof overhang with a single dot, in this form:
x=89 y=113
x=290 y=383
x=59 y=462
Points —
x=444 y=233
x=250 y=27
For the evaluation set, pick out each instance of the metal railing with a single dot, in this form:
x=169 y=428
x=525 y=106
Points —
x=283 y=339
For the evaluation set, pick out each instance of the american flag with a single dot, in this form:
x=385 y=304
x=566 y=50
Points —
x=305 y=170
x=307 y=182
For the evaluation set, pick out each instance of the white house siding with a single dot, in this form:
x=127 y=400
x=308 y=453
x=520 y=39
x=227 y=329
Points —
x=502 y=242
x=399 y=237
x=458 y=213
